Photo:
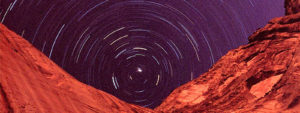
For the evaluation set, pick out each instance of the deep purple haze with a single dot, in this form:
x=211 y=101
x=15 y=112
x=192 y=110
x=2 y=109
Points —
x=137 y=50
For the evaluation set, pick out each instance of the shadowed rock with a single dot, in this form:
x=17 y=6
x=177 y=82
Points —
x=292 y=6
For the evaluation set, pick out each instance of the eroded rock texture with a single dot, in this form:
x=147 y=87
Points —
x=292 y=6
x=263 y=76
x=31 y=83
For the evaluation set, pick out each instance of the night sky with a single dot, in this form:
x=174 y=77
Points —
x=137 y=50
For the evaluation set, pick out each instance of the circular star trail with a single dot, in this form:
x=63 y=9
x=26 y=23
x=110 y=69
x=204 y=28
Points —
x=136 y=50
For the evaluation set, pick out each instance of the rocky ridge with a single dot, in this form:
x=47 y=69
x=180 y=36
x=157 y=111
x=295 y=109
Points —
x=262 y=76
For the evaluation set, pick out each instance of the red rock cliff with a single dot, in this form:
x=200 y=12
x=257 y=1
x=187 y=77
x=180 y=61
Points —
x=262 y=76
x=32 y=83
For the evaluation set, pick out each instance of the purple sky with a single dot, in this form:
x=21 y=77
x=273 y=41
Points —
x=137 y=50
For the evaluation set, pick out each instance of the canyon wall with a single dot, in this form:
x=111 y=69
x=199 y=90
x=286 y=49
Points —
x=31 y=82
x=262 y=76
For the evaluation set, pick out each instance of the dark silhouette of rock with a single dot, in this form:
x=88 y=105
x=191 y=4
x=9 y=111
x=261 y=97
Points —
x=260 y=77
x=32 y=83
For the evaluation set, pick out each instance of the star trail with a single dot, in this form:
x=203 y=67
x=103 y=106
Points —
x=137 y=50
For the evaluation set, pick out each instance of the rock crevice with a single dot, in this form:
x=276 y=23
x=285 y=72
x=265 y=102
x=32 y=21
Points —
x=4 y=101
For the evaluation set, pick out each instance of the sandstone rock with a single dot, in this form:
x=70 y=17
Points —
x=260 y=77
x=30 y=82
x=292 y=6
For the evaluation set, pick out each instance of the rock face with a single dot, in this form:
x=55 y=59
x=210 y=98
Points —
x=30 y=82
x=263 y=76
x=292 y=6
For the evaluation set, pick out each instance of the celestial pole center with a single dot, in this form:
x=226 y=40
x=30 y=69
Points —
x=139 y=70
